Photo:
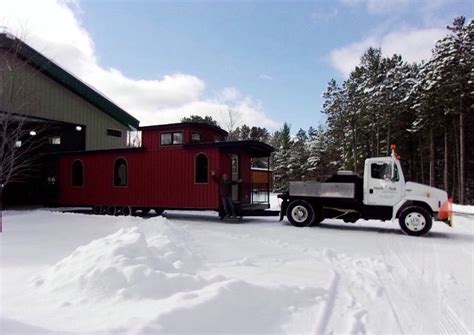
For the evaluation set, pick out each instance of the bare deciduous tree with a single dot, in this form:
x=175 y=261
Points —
x=231 y=121
x=20 y=137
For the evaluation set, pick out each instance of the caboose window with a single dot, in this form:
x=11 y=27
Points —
x=196 y=137
x=171 y=138
x=77 y=173
x=166 y=138
x=202 y=167
x=177 y=138
x=120 y=172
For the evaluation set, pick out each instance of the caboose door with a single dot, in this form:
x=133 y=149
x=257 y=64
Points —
x=235 y=175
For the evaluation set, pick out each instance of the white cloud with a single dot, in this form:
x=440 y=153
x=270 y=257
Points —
x=53 y=27
x=229 y=94
x=413 y=44
x=377 y=6
x=264 y=76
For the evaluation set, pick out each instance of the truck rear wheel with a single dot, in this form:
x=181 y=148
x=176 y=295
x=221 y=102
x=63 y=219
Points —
x=300 y=213
x=415 y=221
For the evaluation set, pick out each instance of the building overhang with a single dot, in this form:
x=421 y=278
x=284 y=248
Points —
x=44 y=65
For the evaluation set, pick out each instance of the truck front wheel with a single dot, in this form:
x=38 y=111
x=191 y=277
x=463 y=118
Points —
x=415 y=221
x=300 y=213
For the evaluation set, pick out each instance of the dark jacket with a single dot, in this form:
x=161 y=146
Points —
x=225 y=186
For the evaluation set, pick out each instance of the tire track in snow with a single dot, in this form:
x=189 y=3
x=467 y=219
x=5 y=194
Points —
x=403 y=283
x=351 y=306
x=415 y=289
x=325 y=318
x=344 y=304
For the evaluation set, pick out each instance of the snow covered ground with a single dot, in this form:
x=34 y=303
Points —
x=189 y=272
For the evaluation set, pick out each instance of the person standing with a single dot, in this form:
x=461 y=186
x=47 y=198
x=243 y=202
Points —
x=225 y=192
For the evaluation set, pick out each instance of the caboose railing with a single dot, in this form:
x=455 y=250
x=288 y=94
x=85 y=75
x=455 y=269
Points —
x=260 y=193
x=254 y=193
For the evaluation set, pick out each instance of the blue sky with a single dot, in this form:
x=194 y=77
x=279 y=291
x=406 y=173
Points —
x=277 y=56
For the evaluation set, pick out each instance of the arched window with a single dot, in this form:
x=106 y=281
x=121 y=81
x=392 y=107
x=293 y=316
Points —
x=77 y=173
x=201 y=165
x=120 y=172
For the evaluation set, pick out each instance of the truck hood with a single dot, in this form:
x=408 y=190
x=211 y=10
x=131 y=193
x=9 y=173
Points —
x=424 y=191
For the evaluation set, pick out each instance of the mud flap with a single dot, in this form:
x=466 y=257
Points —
x=284 y=206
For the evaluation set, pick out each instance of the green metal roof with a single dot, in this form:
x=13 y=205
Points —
x=53 y=71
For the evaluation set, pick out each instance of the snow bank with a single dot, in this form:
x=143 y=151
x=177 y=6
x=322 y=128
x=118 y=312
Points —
x=463 y=209
x=126 y=264
x=153 y=265
x=232 y=305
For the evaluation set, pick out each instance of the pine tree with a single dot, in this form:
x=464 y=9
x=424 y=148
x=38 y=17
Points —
x=281 y=158
x=299 y=155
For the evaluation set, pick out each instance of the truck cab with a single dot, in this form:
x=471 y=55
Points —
x=382 y=193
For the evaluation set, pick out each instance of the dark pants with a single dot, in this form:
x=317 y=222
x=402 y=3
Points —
x=228 y=205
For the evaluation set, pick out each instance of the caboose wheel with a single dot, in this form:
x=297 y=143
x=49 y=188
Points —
x=103 y=210
x=126 y=211
x=96 y=210
x=112 y=210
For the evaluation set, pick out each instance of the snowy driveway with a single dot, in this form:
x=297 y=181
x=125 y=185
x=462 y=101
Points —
x=192 y=273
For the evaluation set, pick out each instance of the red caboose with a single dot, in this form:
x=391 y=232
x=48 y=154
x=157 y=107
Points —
x=171 y=170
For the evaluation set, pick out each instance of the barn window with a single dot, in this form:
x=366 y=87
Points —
x=77 y=173
x=55 y=140
x=120 y=172
x=202 y=167
x=114 y=132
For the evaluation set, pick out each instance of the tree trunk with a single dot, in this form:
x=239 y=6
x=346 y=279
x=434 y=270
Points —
x=461 y=154
x=377 y=154
x=454 y=172
x=388 y=140
x=445 y=171
x=1 y=207
x=422 y=170
x=354 y=149
x=456 y=181
x=432 y=158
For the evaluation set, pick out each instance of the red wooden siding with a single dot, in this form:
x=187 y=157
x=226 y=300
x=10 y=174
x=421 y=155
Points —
x=155 y=179
x=158 y=176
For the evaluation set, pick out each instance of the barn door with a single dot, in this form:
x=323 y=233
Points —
x=235 y=175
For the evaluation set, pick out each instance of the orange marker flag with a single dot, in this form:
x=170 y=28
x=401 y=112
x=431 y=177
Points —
x=446 y=210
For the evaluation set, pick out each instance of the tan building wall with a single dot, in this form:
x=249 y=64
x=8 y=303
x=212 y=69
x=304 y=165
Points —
x=45 y=98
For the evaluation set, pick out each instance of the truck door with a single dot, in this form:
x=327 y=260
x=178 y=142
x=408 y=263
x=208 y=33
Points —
x=381 y=189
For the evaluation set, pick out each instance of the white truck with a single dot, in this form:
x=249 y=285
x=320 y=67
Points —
x=381 y=194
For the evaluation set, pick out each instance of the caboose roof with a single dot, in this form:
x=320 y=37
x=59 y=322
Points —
x=254 y=148
x=183 y=125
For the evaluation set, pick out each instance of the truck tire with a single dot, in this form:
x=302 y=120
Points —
x=415 y=221
x=318 y=215
x=300 y=213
